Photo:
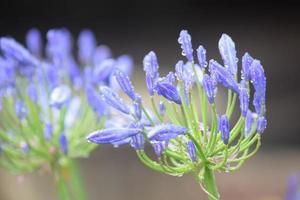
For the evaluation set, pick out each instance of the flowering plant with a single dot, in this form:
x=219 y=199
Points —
x=49 y=103
x=188 y=130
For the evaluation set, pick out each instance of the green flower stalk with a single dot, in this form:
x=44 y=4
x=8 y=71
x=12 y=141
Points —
x=49 y=103
x=188 y=131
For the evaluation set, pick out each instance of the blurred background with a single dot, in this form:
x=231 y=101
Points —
x=269 y=31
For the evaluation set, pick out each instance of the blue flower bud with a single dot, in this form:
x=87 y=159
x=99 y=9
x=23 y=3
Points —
x=24 y=147
x=261 y=124
x=63 y=142
x=185 y=42
x=228 y=53
x=14 y=50
x=48 y=131
x=20 y=109
x=168 y=91
x=113 y=99
x=32 y=92
x=161 y=108
x=248 y=122
x=138 y=141
x=151 y=65
x=223 y=76
x=86 y=46
x=258 y=80
x=60 y=96
x=293 y=188
x=179 y=68
x=103 y=71
x=209 y=88
x=125 y=84
x=112 y=135
x=244 y=98
x=201 y=54
x=159 y=147
x=150 y=84
x=224 y=128
x=137 y=108
x=125 y=64
x=246 y=64
x=191 y=150
x=34 y=41
x=165 y=132
x=94 y=100
x=101 y=53
x=59 y=43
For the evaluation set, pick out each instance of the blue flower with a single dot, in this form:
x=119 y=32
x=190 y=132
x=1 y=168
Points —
x=185 y=41
x=261 y=124
x=228 y=53
x=244 y=98
x=86 y=46
x=246 y=64
x=16 y=51
x=59 y=44
x=112 y=135
x=34 y=42
x=168 y=91
x=103 y=71
x=113 y=99
x=165 y=132
x=60 y=96
x=48 y=131
x=258 y=80
x=209 y=88
x=63 y=142
x=201 y=54
x=161 y=108
x=159 y=147
x=101 y=53
x=20 y=109
x=223 y=76
x=138 y=141
x=224 y=128
x=137 y=107
x=191 y=150
x=125 y=84
x=151 y=65
x=248 y=122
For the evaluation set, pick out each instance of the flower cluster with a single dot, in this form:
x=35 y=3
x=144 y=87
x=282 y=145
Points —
x=187 y=129
x=49 y=98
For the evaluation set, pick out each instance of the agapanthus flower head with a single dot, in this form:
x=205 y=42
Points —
x=51 y=102
x=185 y=137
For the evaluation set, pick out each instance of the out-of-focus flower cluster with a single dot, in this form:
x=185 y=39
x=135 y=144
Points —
x=49 y=98
x=293 y=188
x=185 y=127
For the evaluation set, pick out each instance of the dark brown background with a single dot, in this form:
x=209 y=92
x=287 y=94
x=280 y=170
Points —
x=269 y=31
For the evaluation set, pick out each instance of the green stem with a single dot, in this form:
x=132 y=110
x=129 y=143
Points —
x=76 y=181
x=68 y=182
x=210 y=184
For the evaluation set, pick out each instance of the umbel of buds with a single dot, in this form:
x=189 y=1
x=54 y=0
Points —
x=49 y=101
x=187 y=129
